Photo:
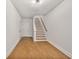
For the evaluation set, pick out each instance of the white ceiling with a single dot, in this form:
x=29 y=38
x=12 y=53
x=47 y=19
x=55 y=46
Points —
x=29 y=8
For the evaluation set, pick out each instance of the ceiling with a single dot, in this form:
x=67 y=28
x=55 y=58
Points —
x=30 y=8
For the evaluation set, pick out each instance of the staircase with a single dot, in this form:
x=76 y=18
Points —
x=39 y=29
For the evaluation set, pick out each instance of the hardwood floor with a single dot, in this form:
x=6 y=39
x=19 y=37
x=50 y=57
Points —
x=27 y=49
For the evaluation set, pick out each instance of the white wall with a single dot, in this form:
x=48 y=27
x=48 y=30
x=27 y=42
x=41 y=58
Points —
x=13 y=26
x=26 y=27
x=59 y=25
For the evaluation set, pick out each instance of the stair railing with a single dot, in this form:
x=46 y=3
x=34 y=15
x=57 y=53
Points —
x=41 y=18
x=34 y=27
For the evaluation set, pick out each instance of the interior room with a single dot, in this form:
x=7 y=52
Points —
x=39 y=29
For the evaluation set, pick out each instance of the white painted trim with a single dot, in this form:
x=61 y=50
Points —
x=26 y=35
x=34 y=30
x=34 y=36
x=61 y=49
x=39 y=40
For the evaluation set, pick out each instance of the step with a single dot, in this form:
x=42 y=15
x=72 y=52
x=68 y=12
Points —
x=40 y=38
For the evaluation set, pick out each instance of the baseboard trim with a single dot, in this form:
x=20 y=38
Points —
x=61 y=49
x=13 y=47
x=26 y=36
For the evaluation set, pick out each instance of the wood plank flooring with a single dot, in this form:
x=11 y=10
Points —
x=27 y=49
